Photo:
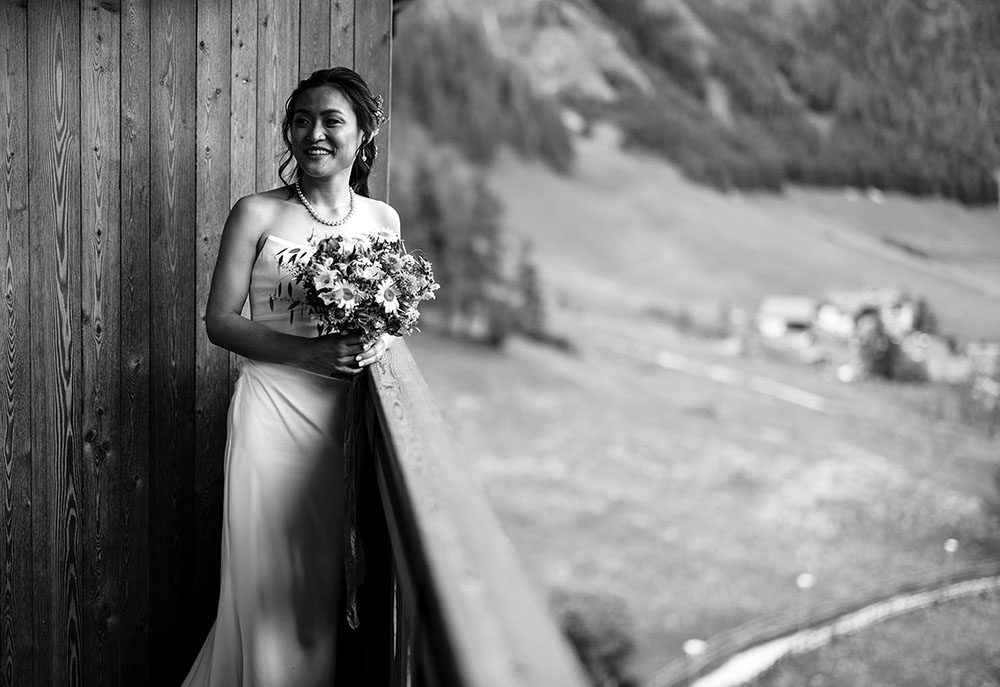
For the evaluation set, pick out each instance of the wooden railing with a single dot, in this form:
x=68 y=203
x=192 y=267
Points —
x=445 y=600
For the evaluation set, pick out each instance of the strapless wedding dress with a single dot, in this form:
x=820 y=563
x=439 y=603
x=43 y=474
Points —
x=282 y=562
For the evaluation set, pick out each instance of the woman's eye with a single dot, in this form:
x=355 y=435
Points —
x=332 y=123
x=301 y=121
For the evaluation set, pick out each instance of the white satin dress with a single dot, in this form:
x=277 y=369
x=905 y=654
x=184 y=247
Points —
x=282 y=564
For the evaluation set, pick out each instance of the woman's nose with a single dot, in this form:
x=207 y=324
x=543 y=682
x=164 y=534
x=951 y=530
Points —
x=316 y=132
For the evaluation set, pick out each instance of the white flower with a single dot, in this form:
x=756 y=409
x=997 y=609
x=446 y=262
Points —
x=362 y=267
x=362 y=244
x=347 y=246
x=344 y=295
x=383 y=235
x=371 y=272
x=327 y=297
x=388 y=296
x=324 y=278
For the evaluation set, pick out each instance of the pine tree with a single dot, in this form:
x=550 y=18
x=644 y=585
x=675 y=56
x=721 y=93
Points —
x=532 y=312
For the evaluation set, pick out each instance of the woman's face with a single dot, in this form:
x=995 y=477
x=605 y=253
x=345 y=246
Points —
x=325 y=135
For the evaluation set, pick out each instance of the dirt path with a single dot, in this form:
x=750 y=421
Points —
x=748 y=664
x=721 y=374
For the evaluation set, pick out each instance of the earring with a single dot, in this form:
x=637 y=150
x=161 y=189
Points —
x=364 y=156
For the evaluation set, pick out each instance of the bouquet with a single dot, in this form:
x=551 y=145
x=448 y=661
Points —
x=367 y=284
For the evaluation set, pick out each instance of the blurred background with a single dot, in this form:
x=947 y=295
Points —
x=720 y=312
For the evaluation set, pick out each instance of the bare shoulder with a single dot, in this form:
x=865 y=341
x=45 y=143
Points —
x=254 y=213
x=263 y=206
x=384 y=214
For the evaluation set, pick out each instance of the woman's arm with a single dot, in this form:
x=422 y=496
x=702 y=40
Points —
x=226 y=327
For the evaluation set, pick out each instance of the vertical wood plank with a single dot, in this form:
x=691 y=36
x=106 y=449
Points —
x=243 y=133
x=243 y=126
x=100 y=339
x=277 y=75
x=212 y=362
x=54 y=211
x=16 y=569
x=172 y=301
x=342 y=33
x=373 y=60
x=314 y=36
x=134 y=317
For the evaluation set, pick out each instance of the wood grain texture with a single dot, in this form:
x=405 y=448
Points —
x=373 y=60
x=243 y=117
x=100 y=337
x=211 y=362
x=493 y=623
x=173 y=42
x=243 y=94
x=314 y=36
x=134 y=471
x=112 y=405
x=342 y=33
x=417 y=610
x=16 y=570
x=54 y=211
x=404 y=591
x=277 y=76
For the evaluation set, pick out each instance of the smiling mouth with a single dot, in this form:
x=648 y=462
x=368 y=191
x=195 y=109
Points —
x=318 y=152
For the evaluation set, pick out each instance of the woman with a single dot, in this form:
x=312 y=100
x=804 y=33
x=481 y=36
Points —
x=282 y=566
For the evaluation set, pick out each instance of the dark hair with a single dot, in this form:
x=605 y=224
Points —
x=367 y=109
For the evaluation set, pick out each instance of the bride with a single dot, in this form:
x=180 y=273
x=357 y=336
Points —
x=282 y=566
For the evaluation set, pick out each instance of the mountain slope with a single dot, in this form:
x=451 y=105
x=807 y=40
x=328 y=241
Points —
x=898 y=95
x=628 y=232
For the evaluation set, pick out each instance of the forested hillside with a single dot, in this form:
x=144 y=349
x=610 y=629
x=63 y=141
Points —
x=455 y=104
x=896 y=94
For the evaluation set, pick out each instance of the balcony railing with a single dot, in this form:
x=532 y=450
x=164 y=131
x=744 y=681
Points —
x=445 y=600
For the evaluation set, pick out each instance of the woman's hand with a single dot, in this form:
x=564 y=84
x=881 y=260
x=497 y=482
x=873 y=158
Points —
x=340 y=354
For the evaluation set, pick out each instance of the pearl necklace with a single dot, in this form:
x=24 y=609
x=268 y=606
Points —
x=312 y=210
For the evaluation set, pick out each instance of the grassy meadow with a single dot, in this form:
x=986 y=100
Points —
x=686 y=497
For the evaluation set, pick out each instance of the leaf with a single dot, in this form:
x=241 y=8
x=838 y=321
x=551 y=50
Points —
x=290 y=291
x=270 y=302
x=294 y=304
x=279 y=289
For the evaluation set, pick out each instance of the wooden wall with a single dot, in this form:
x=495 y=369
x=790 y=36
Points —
x=129 y=127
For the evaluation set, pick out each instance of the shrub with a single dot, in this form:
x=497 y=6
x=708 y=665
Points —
x=600 y=630
x=490 y=286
